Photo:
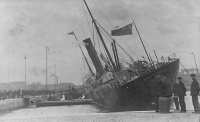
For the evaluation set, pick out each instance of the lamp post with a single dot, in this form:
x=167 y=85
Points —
x=195 y=63
x=8 y=80
x=25 y=73
x=56 y=77
x=46 y=69
x=56 y=81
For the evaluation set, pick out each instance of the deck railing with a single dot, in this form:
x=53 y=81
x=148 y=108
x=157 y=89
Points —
x=148 y=68
x=124 y=76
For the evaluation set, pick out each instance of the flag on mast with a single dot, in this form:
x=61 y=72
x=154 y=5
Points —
x=126 y=30
x=71 y=33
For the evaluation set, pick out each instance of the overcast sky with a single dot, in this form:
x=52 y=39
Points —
x=28 y=26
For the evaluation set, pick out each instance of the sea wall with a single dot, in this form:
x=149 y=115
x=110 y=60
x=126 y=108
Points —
x=11 y=104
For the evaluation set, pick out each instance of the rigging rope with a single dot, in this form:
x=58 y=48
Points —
x=86 y=16
x=100 y=46
x=104 y=49
x=137 y=48
x=119 y=45
x=77 y=34
x=81 y=19
x=113 y=27
x=98 y=42
x=89 y=62
x=128 y=47
x=109 y=38
x=93 y=35
x=184 y=68
x=80 y=64
x=115 y=41
x=83 y=65
x=106 y=36
x=102 y=13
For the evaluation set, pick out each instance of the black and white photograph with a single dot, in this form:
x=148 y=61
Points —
x=99 y=60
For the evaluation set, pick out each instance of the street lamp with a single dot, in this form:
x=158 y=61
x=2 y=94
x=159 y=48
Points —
x=25 y=72
x=47 y=48
x=56 y=77
x=8 y=80
x=56 y=81
x=195 y=63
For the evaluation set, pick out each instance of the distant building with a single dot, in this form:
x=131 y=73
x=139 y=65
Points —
x=61 y=86
x=35 y=86
x=191 y=71
x=17 y=85
x=13 y=85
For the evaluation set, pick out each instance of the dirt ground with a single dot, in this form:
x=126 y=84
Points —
x=56 y=115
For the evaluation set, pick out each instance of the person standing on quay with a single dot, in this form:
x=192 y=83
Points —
x=175 y=94
x=181 y=92
x=194 y=93
x=166 y=91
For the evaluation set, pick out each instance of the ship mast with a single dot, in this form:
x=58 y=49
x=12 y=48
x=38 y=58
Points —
x=116 y=55
x=97 y=28
x=142 y=43
x=92 y=73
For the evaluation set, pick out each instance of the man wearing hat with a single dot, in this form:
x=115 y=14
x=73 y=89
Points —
x=166 y=88
x=194 y=93
x=175 y=93
x=166 y=91
x=181 y=92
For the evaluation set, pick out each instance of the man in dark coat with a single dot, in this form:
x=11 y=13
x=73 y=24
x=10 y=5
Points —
x=166 y=88
x=181 y=92
x=157 y=84
x=166 y=91
x=194 y=93
x=174 y=91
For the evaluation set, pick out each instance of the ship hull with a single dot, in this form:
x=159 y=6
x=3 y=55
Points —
x=137 y=94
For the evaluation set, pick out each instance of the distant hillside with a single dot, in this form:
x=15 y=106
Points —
x=187 y=80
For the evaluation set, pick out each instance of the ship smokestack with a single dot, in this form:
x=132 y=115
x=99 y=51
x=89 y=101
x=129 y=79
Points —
x=94 y=57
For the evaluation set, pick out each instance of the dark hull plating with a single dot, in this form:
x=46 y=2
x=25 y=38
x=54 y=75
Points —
x=139 y=93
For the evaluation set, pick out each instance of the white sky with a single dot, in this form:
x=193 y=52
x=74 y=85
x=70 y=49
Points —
x=28 y=26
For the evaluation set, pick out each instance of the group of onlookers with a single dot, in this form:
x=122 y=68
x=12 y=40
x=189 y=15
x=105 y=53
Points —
x=11 y=94
x=4 y=94
x=177 y=91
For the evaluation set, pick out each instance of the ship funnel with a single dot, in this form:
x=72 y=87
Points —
x=94 y=57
